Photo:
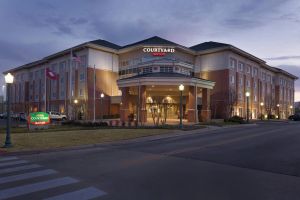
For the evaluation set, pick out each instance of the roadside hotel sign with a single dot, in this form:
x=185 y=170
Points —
x=158 y=51
x=38 y=120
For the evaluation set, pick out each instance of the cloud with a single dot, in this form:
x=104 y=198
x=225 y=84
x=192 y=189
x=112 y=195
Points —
x=283 y=58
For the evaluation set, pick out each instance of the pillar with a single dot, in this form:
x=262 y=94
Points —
x=124 y=109
x=142 y=103
x=205 y=112
x=192 y=104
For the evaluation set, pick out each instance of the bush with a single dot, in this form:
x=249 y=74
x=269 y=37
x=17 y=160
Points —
x=115 y=116
x=84 y=123
x=294 y=117
x=271 y=116
x=235 y=119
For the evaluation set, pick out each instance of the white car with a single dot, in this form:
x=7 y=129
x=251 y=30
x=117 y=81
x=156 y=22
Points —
x=57 y=116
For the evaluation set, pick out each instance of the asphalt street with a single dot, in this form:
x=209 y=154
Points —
x=253 y=162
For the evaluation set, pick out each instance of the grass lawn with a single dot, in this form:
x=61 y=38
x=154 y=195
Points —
x=41 y=140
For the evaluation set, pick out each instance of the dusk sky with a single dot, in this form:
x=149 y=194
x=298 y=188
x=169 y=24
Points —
x=33 y=29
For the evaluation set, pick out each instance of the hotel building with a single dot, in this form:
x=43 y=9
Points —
x=140 y=81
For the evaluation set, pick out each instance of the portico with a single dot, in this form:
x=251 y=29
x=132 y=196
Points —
x=155 y=97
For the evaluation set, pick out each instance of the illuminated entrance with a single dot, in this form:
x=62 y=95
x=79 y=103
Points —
x=154 y=98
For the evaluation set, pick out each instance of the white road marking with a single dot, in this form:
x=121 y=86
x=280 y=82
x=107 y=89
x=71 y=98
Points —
x=8 y=158
x=35 y=187
x=4 y=164
x=83 y=194
x=20 y=168
x=28 y=175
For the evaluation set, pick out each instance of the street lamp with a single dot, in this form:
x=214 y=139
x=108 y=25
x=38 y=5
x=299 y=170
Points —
x=76 y=109
x=9 y=79
x=181 y=88
x=261 y=110
x=101 y=99
x=278 y=105
x=247 y=98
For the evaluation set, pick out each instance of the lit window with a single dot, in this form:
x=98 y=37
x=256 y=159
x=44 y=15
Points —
x=81 y=77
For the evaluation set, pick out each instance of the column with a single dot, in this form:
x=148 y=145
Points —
x=205 y=112
x=124 y=110
x=191 y=104
x=143 y=109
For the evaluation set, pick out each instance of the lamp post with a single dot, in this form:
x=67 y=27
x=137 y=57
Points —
x=261 y=110
x=247 y=98
x=9 y=79
x=75 y=102
x=181 y=88
x=278 y=111
x=101 y=101
x=291 y=107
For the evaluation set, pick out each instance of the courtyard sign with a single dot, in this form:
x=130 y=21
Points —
x=158 y=51
x=39 y=118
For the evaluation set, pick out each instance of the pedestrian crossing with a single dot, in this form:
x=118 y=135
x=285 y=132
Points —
x=20 y=177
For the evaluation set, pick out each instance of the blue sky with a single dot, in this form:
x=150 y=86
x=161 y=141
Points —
x=268 y=29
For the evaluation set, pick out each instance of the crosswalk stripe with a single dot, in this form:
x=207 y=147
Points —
x=35 y=187
x=20 y=168
x=5 y=164
x=8 y=158
x=27 y=175
x=83 y=194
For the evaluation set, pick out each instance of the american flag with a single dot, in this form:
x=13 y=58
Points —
x=75 y=57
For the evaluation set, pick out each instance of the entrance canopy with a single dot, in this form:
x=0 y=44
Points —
x=156 y=79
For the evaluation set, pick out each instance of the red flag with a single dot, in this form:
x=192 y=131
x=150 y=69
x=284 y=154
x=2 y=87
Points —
x=50 y=74
x=75 y=57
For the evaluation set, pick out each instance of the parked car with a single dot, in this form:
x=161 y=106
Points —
x=2 y=115
x=22 y=116
x=295 y=117
x=57 y=116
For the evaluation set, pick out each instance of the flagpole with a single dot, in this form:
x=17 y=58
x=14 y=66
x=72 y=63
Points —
x=94 y=92
x=45 y=89
x=70 y=80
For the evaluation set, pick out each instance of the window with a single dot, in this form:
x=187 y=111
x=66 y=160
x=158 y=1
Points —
x=255 y=84
x=255 y=98
x=166 y=69
x=81 y=77
x=241 y=66
x=248 y=69
x=82 y=61
x=80 y=92
x=240 y=96
x=248 y=83
x=232 y=63
x=62 y=66
x=241 y=81
x=31 y=75
x=255 y=70
x=42 y=72
x=36 y=74
x=147 y=70
x=232 y=79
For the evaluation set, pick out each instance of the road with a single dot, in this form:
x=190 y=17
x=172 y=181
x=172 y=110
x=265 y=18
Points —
x=249 y=163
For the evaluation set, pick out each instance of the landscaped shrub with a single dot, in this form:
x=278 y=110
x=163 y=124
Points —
x=84 y=123
x=236 y=119
x=271 y=116
x=294 y=117
x=115 y=116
